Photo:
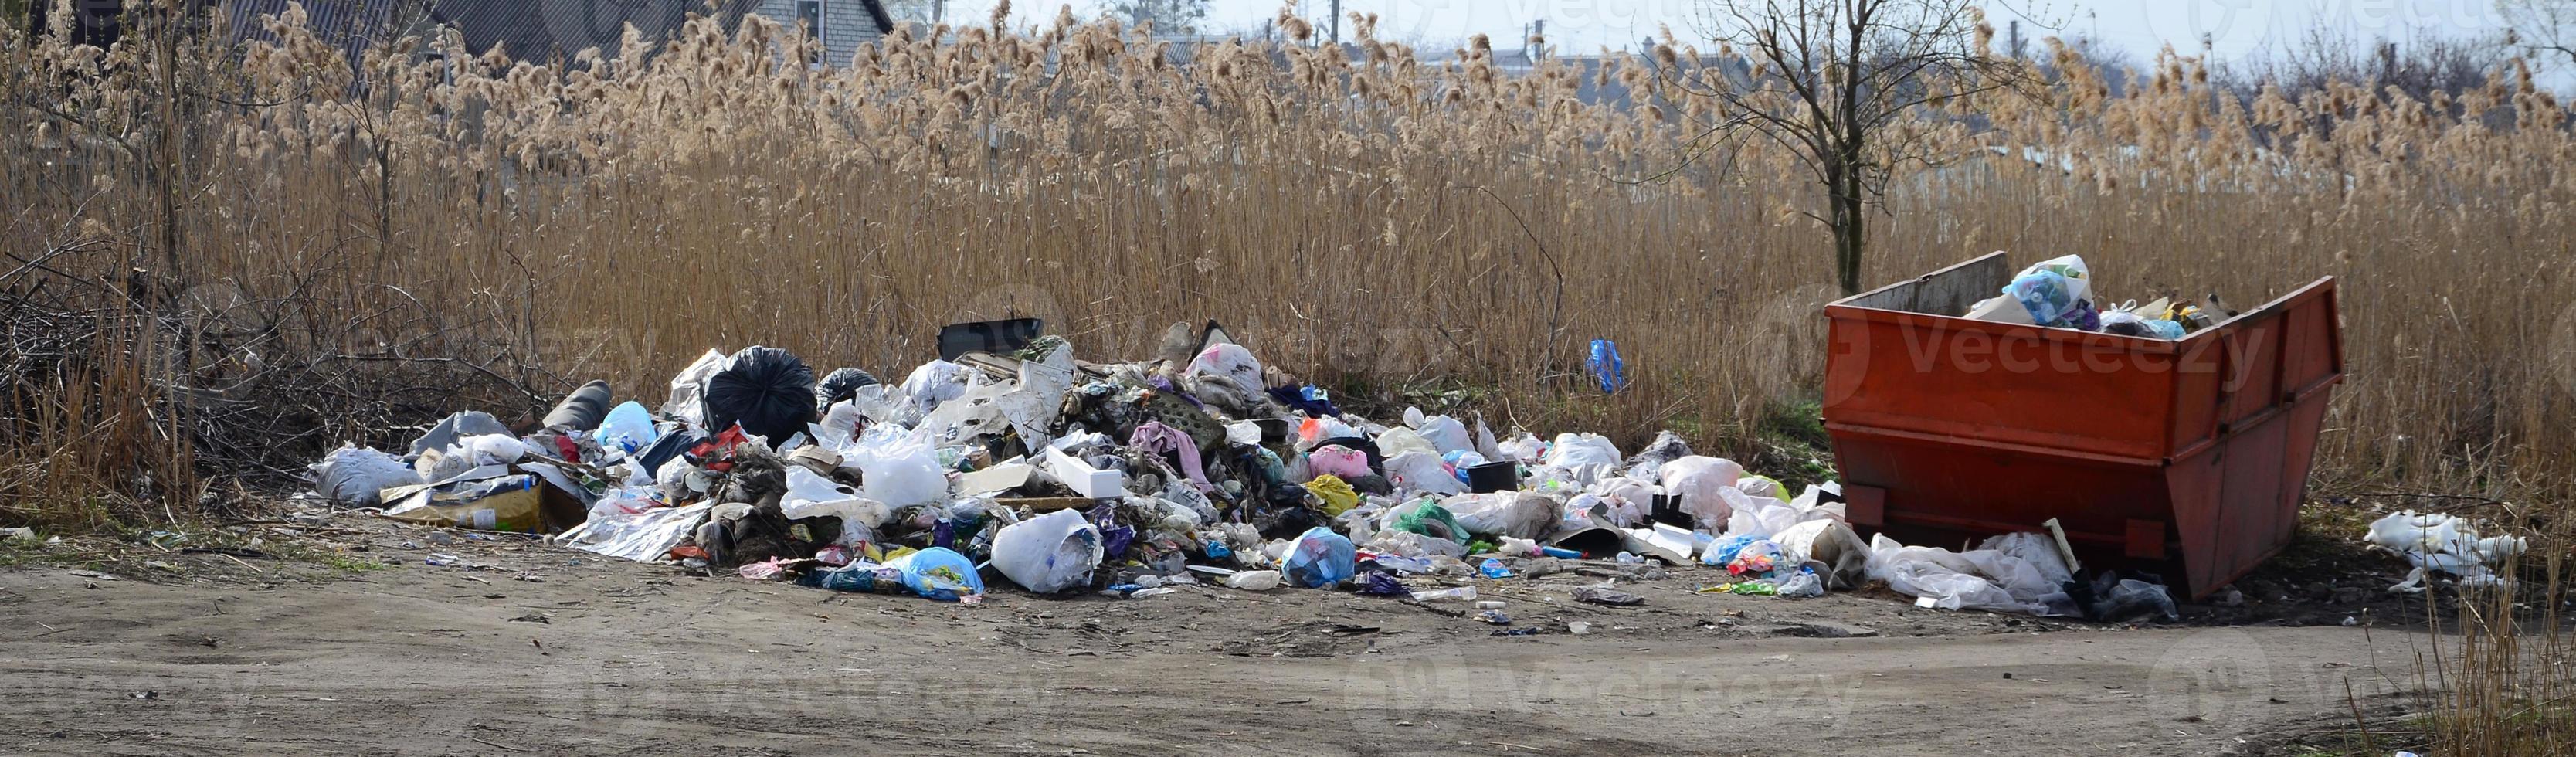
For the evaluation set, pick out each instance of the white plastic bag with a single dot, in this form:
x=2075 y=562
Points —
x=1579 y=459
x=469 y=454
x=1617 y=501
x=1231 y=361
x=1445 y=433
x=1761 y=486
x=1764 y=517
x=1254 y=580
x=690 y=385
x=1706 y=486
x=810 y=495
x=1831 y=546
x=1400 y=440
x=354 y=475
x=1418 y=471
x=455 y=427
x=1520 y=515
x=626 y=501
x=1802 y=584
x=1981 y=579
x=1048 y=553
x=2037 y=549
x=933 y=383
x=2436 y=541
x=1025 y=404
x=1410 y=544
x=897 y=468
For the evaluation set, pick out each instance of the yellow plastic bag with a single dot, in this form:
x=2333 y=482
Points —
x=1337 y=495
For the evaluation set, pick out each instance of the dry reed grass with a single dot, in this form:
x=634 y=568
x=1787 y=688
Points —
x=468 y=230
x=1379 y=219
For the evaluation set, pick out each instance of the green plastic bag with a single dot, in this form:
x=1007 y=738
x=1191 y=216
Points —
x=1430 y=519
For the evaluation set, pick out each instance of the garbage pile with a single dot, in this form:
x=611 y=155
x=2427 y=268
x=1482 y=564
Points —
x=1199 y=465
x=2058 y=293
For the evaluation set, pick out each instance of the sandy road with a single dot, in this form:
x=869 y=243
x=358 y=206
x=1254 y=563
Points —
x=620 y=658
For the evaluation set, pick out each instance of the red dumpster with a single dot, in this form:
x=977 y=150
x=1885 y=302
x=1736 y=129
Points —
x=2185 y=457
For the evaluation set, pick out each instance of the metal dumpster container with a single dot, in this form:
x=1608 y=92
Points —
x=2185 y=457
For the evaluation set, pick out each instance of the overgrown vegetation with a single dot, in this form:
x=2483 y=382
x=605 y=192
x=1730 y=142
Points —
x=223 y=259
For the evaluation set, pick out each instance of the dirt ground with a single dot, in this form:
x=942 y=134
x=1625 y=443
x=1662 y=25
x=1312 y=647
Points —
x=533 y=649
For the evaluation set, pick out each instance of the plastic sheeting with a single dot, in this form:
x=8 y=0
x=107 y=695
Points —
x=643 y=537
x=2446 y=543
x=1981 y=579
x=355 y=475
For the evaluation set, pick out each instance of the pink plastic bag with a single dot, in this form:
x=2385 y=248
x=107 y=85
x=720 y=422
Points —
x=1337 y=460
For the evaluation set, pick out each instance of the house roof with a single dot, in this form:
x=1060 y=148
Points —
x=525 y=29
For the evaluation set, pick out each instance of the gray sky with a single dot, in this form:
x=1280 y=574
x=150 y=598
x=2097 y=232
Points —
x=2235 y=28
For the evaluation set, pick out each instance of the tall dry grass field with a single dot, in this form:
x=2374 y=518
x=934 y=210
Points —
x=1370 y=218
x=227 y=259
x=1367 y=218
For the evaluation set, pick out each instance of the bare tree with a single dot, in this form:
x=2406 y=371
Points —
x=1167 y=16
x=2545 y=29
x=1839 y=83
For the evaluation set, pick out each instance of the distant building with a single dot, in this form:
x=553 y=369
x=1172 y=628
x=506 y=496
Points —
x=531 y=30
x=842 y=25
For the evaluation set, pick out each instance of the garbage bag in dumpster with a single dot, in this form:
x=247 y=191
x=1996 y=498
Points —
x=767 y=390
x=2184 y=457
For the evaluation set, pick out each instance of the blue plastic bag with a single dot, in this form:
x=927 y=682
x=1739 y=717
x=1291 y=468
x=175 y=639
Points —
x=1724 y=550
x=628 y=428
x=1606 y=366
x=1321 y=558
x=939 y=573
x=861 y=577
x=2046 y=295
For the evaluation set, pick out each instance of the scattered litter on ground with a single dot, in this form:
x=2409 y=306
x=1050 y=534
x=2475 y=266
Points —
x=1137 y=480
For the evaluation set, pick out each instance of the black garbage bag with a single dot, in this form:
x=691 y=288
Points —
x=766 y=389
x=842 y=386
x=582 y=409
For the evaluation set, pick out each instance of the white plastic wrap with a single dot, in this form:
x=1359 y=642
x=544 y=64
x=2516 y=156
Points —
x=1048 y=553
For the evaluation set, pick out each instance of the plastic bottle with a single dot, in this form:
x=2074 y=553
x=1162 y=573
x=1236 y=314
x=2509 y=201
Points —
x=1560 y=553
x=1467 y=593
x=1628 y=558
x=1253 y=580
